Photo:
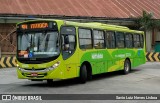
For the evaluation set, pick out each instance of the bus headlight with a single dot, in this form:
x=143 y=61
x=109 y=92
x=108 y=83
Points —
x=54 y=66
x=17 y=65
x=21 y=69
x=45 y=70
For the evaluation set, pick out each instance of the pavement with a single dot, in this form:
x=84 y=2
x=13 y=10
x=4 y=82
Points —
x=144 y=79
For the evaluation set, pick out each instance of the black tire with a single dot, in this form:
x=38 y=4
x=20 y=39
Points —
x=83 y=74
x=127 y=67
x=89 y=76
x=50 y=81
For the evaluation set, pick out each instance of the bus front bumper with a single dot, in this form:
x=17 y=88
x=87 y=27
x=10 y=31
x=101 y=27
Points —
x=40 y=74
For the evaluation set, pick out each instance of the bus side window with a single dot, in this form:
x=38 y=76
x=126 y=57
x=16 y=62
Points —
x=68 y=37
x=128 y=40
x=136 y=38
x=85 y=38
x=138 y=41
x=141 y=40
x=120 y=39
x=110 y=39
x=98 y=39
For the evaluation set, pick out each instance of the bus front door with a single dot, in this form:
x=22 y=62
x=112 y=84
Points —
x=69 y=56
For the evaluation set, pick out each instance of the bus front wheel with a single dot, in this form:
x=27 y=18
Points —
x=127 y=67
x=83 y=74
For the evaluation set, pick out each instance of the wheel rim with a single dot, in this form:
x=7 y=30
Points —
x=127 y=66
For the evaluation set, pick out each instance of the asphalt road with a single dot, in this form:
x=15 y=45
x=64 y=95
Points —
x=144 y=79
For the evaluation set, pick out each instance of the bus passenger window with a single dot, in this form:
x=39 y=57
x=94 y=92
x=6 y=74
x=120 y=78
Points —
x=98 y=39
x=136 y=38
x=138 y=41
x=120 y=39
x=141 y=40
x=85 y=41
x=110 y=39
x=128 y=40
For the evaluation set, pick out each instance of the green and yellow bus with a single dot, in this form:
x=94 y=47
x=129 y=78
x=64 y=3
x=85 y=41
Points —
x=58 y=49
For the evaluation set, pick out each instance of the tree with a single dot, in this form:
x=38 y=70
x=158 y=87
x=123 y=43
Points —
x=147 y=23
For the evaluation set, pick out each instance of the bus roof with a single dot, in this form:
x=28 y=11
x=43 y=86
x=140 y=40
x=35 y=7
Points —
x=39 y=20
x=109 y=25
x=91 y=25
x=103 y=26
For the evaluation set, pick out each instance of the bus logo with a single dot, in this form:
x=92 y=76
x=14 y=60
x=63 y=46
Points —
x=97 y=56
x=6 y=97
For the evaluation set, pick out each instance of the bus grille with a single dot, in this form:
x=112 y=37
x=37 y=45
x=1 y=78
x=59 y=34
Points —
x=35 y=69
x=38 y=75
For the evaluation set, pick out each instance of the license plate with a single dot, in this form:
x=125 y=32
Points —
x=34 y=74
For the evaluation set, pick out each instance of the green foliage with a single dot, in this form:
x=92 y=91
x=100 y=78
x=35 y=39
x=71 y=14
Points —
x=146 y=21
x=157 y=24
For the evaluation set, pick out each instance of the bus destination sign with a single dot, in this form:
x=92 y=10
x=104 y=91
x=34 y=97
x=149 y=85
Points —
x=34 y=26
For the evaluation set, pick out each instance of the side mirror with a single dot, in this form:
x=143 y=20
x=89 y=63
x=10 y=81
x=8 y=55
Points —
x=66 y=46
x=66 y=40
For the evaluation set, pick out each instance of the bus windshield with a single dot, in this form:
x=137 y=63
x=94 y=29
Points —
x=38 y=44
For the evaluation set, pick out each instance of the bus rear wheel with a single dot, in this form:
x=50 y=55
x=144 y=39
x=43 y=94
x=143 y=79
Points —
x=50 y=81
x=127 y=67
x=83 y=74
